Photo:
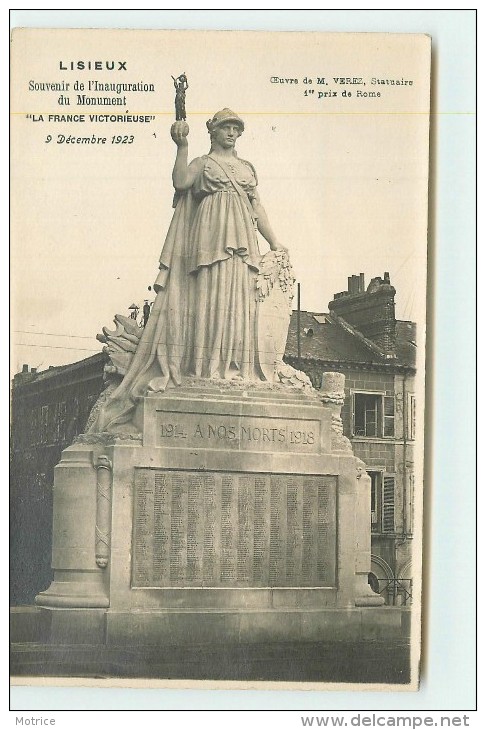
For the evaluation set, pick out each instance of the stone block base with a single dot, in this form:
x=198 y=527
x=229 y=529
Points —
x=363 y=646
x=29 y=624
x=206 y=627
x=250 y=627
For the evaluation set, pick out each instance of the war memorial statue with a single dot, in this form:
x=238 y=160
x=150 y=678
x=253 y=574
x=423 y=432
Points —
x=213 y=497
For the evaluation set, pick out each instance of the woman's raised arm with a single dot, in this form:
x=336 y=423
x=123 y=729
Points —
x=183 y=175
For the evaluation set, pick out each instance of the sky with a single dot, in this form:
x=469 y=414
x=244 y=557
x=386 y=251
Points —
x=344 y=179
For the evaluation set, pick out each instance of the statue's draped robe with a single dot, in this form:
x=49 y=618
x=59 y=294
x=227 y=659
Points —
x=203 y=320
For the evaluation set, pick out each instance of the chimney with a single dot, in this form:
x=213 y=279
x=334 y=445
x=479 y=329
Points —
x=372 y=312
x=25 y=376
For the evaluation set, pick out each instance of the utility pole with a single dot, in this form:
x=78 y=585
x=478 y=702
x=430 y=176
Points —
x=298 y=323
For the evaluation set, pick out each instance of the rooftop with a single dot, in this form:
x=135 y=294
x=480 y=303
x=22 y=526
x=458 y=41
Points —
x=327 y=337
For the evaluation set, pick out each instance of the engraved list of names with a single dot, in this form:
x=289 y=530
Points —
x=225 y=529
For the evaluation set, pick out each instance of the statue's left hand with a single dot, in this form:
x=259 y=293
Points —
x=279 y=247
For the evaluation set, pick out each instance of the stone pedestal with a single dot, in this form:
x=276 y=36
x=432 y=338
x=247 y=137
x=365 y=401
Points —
x=237 y=516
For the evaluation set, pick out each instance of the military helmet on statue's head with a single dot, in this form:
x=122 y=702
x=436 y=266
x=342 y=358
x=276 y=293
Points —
x=223 y=117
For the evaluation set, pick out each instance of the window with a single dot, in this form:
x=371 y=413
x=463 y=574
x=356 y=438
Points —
x=366 y=414
x=61 y=421
x=411 y=481
x=34 y=426
x=388 y=523
x=373 y=415
x=388 y=415
x=376 y=481
x=382 y=502
x=76 y=420
x=44 y=424
x=411 y=417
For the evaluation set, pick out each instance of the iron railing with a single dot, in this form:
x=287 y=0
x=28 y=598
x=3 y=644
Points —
x=396 y=591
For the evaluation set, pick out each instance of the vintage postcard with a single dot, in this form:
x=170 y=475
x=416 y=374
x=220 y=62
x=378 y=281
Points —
x=219 y=261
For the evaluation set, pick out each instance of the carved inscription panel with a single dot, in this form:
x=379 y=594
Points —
x=241 y=433
x=222 y=529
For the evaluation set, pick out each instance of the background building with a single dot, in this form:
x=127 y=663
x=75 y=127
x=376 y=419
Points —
x=48 y=410
x=359 y=337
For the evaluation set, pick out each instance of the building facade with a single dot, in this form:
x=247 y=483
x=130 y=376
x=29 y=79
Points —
x=48 y=410
x=359 y=337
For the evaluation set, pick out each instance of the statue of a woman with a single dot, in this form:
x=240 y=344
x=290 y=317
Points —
x=181 y=86
x=204 y=320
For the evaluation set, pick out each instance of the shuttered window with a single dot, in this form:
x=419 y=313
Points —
x=411 y=417
x=376 y=490
x=388 y=504
x=388 y=415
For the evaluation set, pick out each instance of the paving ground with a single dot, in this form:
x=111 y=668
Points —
x=367 y=662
